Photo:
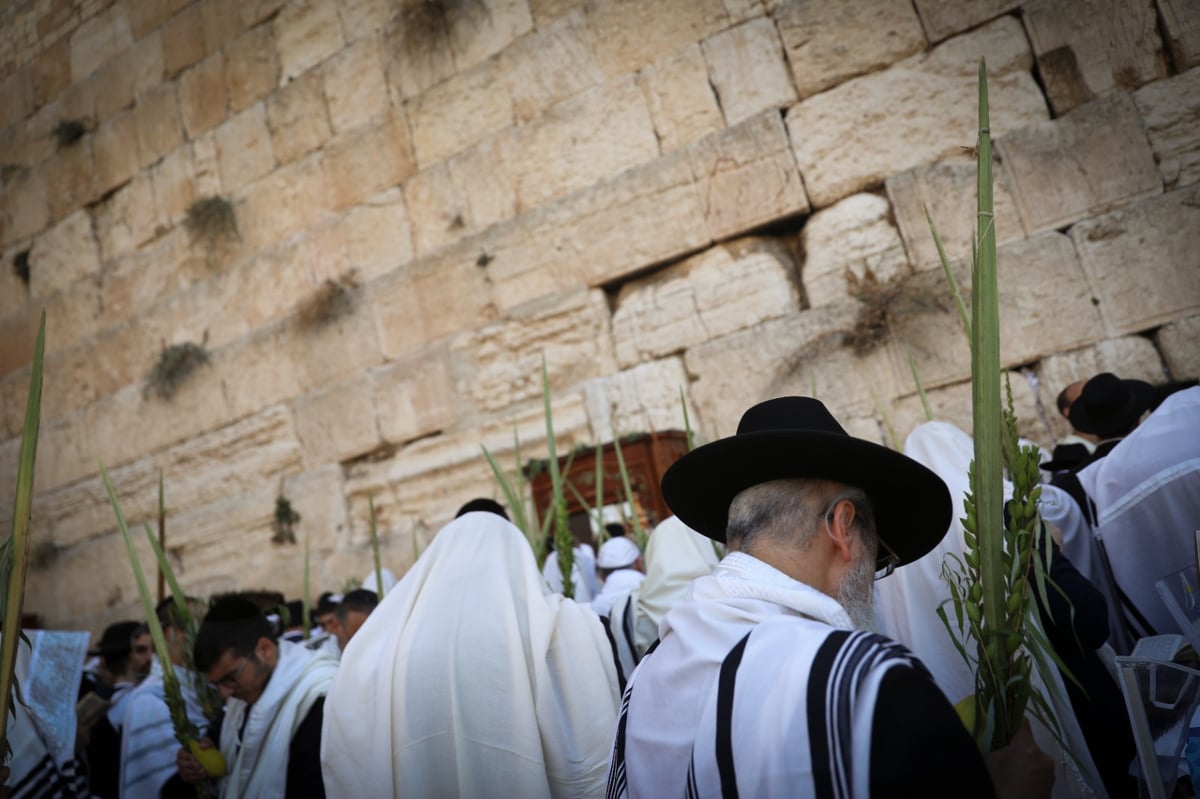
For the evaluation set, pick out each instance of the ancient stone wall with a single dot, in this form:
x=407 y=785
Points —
x=653 y=195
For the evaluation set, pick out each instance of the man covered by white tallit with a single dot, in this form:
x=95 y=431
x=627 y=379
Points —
x=907 y=602
x=472 y=679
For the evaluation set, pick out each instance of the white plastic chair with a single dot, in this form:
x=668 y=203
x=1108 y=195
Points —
x=1180 y=592
x=1161 y=698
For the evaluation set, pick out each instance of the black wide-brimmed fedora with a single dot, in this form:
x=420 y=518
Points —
x=1066 y=456
x=1108 y=405
x=792 y=437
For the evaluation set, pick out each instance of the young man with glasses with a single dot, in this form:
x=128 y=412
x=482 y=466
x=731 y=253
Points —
x=274 y=693
x=764 y=681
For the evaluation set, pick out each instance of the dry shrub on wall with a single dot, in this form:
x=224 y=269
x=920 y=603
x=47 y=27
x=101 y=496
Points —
x=211 y=220
x=69 y=131
x=21 y=266
x=175 y=365
x=333 y=299
x=882 y=303
x=423 y=27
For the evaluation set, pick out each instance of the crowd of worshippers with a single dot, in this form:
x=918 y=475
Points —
x=778 y=636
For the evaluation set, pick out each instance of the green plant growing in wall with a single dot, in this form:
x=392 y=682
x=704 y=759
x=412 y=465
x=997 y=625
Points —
x=175 y=364
x=211 y=220
x=425 y=26
x=333 y=299
x=69 y=131
x=284 y=522
x=21 y=266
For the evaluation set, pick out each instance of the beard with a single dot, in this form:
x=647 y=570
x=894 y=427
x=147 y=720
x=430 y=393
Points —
x=854 y=593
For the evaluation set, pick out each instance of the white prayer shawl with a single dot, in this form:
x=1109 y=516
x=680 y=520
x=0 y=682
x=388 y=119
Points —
x=1147 y=495
x=906 y=606
x=471 y=680
x=618 y=583
x=258 y=761
x=672 y=725
x=148 y=745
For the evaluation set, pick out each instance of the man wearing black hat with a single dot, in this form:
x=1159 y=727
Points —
x=760 y=683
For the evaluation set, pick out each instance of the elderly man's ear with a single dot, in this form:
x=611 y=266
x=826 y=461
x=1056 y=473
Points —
x=840 y=524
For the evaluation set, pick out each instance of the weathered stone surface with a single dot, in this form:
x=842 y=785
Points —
x=947 y=190
x=50 y=72
x=1177 y=343
x=1128 y=357
x=147 y=15
x=16 y=98
x=70 y=178
x=127 y=219
x=746 y=176
x=364 y=18
x=174 y=184
x=183 y=40
x=298 y=119
x=475 y=41
x=552 y=63
x=953 y=404
x=1170 y=111
x=1086 y=48
x=306 y=33
x=64 y=254
x=815 y=37
x=378 y=234
x=202 y=99
x=128 y=77
x=581 y=141
x=1058 y=316
x=942 y=18
x=252 y=67
x=458 y=113
x=1143 y=261
x=414 y=396
x=256 y=11
x=363 y=162
x=498 y=365
x=222 y=22
x=643 y=398
x=484 y=191
x=853 y=234
x=27 y=210
x=1181 y=21
x=338 y=423
x=690 y=302
x=244 y=148
x=747 y=69
x=64 y=451
x=158 y=127
x=355 y=91
x=628 y=36
x=791 y=354
x=438 y=211
x=1085 y=163
x=99 y=39
x=922 y=111
x=682 y=102
x=291 y=198
x=114 y=149
x=207 y=165
x=318 y=495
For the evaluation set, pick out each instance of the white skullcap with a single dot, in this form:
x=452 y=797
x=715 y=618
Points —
x=617 y=553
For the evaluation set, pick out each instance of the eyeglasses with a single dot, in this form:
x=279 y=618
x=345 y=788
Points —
x=886 y=559
x=230 y=680
x=142 y=649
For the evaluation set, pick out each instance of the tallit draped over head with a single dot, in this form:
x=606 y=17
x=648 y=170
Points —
x=471 y=679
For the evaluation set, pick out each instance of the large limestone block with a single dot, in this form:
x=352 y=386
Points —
x=552 y=63
x=581 y=141
x=99 y=39
x=174 y=181
x=815 y=37
x=208 y=166
x=27 y=210
x=690 y=302
x=127 y=219
x=747 y=69
x=378 y=234
x=306 y=33
x=628 y=35
x=71 y=178
x=64 y=451
x=318 y=495
x=148 y=15
x=244 y=150
x=1128 y=357
x=1086 y=48
x=159 y=130
x=196 y=535
x=291 y=198
x=746 y=176
x=222 y=22
x=499 y=365
x=16 y=98
x=502 y=23
x=1089 y=161
x=682 y=101
x=62 y=255
x=275 y=378
x=1181 y=22
x=1143 y=261
x=1177 y=343
x=459 y=112
x=795 y=354
x=366 y=161
x=252 y=67
x=943 y=18
x=854 y=234
x=923 y=108
x=953 y=404
x=355 y=90
x=439 y=213
x=1045 y=307
x=364 y=18
x=50 y=72
x=947 y=189
x=645 y=398
x=298 y=118
x=202 y=98
x=1169 y=110
x=414 y=396
x=338 y=423
x=74 y=314
x=72 y=514
x=114 y=148
x=183 y=40
x=485 y=192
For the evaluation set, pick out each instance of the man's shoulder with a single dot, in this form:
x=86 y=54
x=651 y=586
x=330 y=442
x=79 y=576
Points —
x=790 y=641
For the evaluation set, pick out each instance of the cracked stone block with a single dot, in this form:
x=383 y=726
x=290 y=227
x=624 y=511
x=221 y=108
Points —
x=1181 y=23
x=1169 y=110
x=682 y=102
x=1177 y=343
x=944 y=18
x=853 y=234
x=644 y=397
x=747 y=69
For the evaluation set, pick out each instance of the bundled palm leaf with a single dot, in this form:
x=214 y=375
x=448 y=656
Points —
x=990 y=586
x=374 y=550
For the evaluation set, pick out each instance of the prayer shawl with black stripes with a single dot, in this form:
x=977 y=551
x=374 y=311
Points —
x=760 y=688
x=148 y=745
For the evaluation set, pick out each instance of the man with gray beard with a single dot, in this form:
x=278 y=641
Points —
x=764 y=681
